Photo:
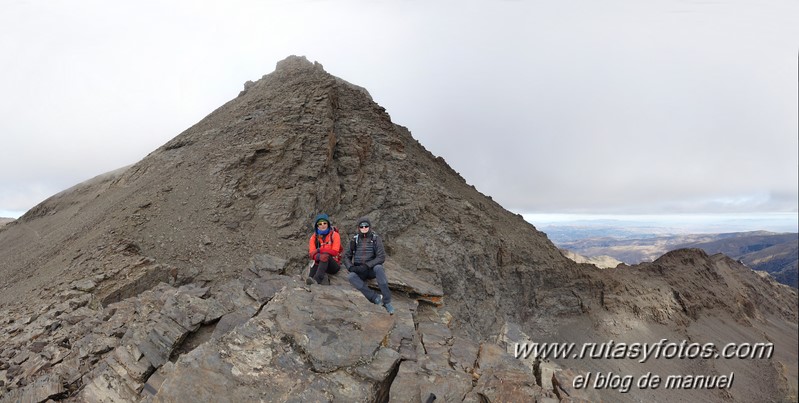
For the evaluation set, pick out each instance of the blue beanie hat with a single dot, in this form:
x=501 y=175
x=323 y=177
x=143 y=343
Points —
x=321 y=217
x=325 y=218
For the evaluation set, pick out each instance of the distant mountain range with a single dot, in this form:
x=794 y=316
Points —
x=4 y=221
x=777 y=254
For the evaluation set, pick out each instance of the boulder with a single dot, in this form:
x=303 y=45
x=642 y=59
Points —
x=334 y=327
x=322 y=345
x=411 y=283
x=84 y=285
x=263 y=264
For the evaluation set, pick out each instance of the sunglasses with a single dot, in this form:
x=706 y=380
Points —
x=321 y=223
x=363 y=226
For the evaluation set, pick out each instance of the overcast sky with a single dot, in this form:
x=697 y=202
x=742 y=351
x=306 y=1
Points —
x=574 y=106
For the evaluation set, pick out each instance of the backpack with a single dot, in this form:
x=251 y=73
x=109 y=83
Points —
x=340 y=248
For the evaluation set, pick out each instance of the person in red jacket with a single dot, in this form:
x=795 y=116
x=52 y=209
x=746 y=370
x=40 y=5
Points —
x=324 y=248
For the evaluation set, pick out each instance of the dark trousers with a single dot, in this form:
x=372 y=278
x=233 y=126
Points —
x=359 y=282
x=325 y=265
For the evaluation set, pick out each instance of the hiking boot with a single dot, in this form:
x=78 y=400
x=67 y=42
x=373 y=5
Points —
x=389 y=308
x=325 y=281
x=378 y=299
x=309 y=280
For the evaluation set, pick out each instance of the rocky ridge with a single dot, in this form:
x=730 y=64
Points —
x=265 y=335
x=775 y=253
x=185 y=268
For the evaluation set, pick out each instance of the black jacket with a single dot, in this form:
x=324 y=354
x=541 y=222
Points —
x=366 y=249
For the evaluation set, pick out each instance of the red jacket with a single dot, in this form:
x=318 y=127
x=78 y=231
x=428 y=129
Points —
x=330 y=244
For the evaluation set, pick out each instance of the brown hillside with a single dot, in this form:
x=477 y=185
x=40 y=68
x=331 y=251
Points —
x=249 y=178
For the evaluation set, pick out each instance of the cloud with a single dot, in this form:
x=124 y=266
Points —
x=676 y=106
x=17 y=198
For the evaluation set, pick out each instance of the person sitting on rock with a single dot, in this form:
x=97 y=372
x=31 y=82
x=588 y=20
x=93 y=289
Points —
x=364 y=260
x=324 y=248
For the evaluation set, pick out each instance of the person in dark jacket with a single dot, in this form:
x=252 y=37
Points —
x=323 y=248
x=364 y=260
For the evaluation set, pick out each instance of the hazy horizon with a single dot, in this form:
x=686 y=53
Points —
x=658 y=223
x=787 y=222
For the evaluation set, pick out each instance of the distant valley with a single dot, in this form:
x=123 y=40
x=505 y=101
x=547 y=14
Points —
x=774 y=253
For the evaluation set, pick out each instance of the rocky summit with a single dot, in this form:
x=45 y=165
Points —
x=181 y=278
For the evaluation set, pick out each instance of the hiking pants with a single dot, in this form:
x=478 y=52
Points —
x=360 y=283
x=325 y=265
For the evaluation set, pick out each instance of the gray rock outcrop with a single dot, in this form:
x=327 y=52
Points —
x=262 y=336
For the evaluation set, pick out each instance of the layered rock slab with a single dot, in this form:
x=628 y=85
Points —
x=321 y=344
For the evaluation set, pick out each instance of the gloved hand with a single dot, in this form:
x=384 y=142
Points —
x=315 y=254
x=360 y=270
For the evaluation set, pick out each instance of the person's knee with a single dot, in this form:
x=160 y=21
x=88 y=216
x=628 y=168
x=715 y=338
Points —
x=380 y=274
x=324 y=257
x=353 y=278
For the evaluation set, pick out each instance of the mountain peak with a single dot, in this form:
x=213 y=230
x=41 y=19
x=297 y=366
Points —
x=294 y=62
